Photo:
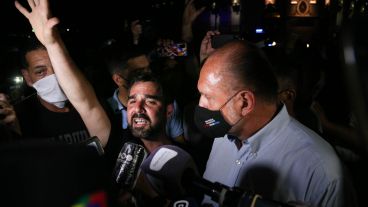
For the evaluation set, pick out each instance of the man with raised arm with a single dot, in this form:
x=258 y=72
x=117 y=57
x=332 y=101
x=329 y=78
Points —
x=76 y=88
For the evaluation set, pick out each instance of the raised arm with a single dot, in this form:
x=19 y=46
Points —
x=189 y=15
x=78 y=90
x=136 y=30
x=206 y=46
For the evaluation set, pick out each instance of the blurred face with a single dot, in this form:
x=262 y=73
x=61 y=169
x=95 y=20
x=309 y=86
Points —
x=134 y=64
x=146 y=111
x=139 y=63
x=39 y=66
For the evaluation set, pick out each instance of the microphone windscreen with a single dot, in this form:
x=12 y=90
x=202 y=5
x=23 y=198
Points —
x=164 y=169
x=128 y=164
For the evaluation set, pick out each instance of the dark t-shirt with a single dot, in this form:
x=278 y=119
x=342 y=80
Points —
x=37 y=122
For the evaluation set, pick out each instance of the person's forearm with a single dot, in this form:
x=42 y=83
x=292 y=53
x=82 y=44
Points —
x=79 y=92
x=75 y=86
x=186 y=33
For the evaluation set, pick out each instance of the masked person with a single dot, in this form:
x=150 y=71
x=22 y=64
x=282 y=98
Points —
x=258 y=146
x=46 y=114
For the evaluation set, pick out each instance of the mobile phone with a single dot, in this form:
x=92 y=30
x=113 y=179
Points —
x=178 y=49
x=220 y=40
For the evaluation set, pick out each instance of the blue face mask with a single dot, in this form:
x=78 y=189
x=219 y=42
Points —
x=211 y=123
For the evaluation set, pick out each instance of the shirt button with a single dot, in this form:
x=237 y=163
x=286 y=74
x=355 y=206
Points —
x=238 y=162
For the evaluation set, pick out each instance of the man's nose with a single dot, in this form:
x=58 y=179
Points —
x=201 y=102
x=140 y=107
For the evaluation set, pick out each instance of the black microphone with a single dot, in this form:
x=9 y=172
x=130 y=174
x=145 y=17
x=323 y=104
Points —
x=172 y=173
x=127 y=167
x=164 y=168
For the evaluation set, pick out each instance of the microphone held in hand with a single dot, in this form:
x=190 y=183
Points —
x=172 y=173
x=127 y=167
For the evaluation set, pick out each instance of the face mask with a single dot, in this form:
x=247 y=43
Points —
x=211 y=123
x=49 y=90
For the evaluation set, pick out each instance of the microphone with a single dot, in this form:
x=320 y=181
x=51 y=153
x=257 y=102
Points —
x=165 y=167
x=127 y=167
x=172 y=173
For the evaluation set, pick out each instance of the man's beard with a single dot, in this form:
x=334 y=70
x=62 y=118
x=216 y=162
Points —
x=150 y=132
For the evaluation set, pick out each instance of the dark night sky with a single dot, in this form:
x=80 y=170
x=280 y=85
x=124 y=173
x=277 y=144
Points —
x=87 y=19
x=88 y=14
x=68 y=11
x=84 y=16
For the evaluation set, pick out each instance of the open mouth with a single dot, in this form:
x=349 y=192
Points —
x=140 y=122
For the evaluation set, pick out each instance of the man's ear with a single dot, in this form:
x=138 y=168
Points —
x=247 y=102
x=292 y=95
x=287 y=96
x=119 y=81
x=26 y=77
x=169 y=110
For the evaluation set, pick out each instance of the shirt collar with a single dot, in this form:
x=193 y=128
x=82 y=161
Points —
x=116 y=98
x=268 y=133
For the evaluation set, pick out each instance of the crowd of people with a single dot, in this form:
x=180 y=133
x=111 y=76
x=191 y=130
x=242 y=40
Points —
x=249 y=116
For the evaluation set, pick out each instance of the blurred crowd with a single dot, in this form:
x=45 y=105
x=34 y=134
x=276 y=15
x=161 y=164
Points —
x=280 y=113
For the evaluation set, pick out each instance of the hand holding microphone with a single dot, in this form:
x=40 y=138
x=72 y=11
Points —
x=172 y=173
x=131 y=182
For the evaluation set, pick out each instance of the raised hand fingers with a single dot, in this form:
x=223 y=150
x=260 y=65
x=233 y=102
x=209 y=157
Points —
x=31 y=3
x=211 y=33
x=187 y=2
x=44 y=2
x=21 y=9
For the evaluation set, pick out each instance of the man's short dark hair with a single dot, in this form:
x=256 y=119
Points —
x=29 y=44
x=116 y=57
x=249 y=65
x=144 y=76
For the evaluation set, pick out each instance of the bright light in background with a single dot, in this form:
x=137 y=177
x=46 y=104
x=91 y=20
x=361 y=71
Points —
x=308 y=45
x=67 y=29
x=273 y=44
x=259 y=30
x=213 y=6
x=18 y=79
x=235 y=2
x=267 y=2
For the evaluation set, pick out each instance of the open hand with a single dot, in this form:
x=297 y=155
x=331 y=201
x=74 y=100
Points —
x=190 y=12
x=41 y=20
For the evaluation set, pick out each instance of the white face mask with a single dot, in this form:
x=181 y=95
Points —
x=49 y=90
